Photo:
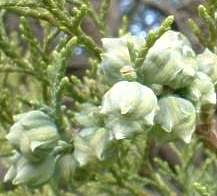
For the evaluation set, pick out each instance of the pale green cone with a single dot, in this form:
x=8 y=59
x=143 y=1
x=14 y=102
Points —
x=90 y=144
x=130 y=99
x=129 y=108
x=201 y=91
x=171 y=61
x=32 y=174
x=33 y=134
x=177 y=116
x=116 y=58
x=207 y=62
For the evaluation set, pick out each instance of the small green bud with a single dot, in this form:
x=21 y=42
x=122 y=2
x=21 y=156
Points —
x=170 y=61
x=12 y=171
x=33 y=134
x=117 y=55
x=66 y=165
x=202 y=91
x=177 y=117
x=88 y=115
x=128 y=73
x=32 y=174
x=207 y=62
x=157 y=89
x=90 y=144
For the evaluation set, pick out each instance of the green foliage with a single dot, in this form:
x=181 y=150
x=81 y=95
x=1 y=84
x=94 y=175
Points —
x=208 y=15
x=152 y=37
x=95 y=135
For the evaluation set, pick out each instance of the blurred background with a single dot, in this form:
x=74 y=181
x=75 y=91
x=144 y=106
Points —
x=143 y=16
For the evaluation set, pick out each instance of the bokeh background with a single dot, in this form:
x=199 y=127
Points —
x=143 y=16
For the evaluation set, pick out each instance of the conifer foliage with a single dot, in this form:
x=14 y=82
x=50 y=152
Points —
x=98 y=135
